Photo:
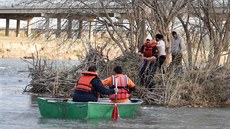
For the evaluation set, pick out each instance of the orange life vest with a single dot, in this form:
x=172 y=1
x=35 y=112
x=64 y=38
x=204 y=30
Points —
x=150 y=50
x=84 y=81
x=122 y=85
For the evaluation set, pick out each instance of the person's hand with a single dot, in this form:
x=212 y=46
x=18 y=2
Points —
x=115 y=90
x=140 y=54
x=144 y=58
x=154 y=58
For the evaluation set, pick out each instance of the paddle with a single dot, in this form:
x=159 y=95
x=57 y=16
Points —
x=115 y=108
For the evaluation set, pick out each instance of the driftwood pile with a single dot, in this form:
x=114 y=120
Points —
x=47 y=79
x=56 y=82
x=202 y=87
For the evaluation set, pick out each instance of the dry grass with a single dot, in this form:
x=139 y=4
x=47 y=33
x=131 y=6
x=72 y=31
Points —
x=13 y=47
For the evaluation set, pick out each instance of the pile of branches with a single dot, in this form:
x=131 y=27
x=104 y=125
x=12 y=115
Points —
x=212 y=86
x=49 y=79
x=130 y=63
x=200 y=87
x=206 y=87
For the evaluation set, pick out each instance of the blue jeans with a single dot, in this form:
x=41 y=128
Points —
x=148 y=70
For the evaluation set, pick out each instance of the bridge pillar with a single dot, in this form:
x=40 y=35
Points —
x=18 y=28
x=69 y=29
x=58 y=33
x=7 y=27
x=90 y=28
x=121 y=22
x=80 y=26
x=28 y=27
x=47 y=24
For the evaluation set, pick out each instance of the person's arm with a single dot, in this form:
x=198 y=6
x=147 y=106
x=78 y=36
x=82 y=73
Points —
x=182 y=45
x=140 y=52
x=150 y=58
x=159 y=47
x=131 y=90
x=131 y=85
x=172 y=46
x=97 y=84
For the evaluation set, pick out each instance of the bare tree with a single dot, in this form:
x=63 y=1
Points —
x=128 y=21
x=215 y=17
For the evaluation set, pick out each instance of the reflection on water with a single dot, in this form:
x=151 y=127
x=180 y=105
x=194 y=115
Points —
x=19 y=110
x=33 y=100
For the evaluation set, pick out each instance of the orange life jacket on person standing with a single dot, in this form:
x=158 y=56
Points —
x=122 y=85
x=84 y=81
x=150 y=50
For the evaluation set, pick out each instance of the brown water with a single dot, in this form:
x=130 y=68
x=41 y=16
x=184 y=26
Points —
x=19 y=111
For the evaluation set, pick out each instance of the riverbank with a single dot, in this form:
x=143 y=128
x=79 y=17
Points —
x=55 y=48
x=22 y=47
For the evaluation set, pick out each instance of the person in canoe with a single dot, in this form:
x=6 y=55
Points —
x=122 y=82
x=89 y=85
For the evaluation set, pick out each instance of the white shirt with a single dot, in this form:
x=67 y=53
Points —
x=161 y=44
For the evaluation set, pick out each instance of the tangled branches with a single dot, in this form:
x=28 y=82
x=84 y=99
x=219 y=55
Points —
x=198 y=88
x=201 y=87
x=49 y=78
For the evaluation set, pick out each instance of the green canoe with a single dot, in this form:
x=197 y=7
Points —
x=60 y=108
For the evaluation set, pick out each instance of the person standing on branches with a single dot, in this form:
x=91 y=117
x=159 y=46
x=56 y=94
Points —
x=161 y=49
x=177 y=49
x=148 y=53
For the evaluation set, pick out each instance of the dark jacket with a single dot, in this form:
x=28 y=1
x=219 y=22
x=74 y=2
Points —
x=82 y=96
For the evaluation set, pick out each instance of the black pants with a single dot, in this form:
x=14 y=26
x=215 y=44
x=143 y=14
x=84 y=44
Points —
x=161 y=61
x=176 y=64
x=177 y=59
x=148 y=70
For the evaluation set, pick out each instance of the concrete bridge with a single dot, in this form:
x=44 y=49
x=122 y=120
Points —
x=78 y=12
x=75 y=11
